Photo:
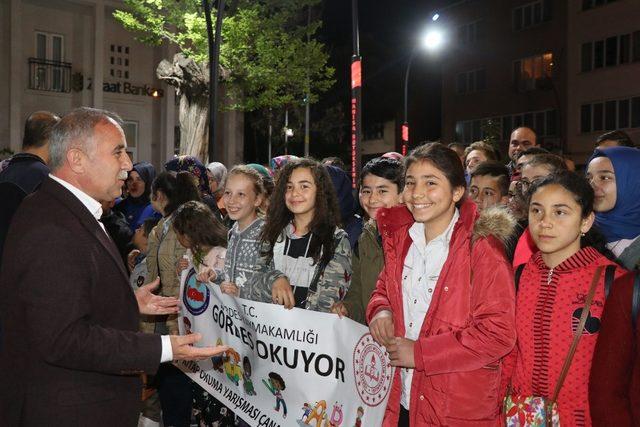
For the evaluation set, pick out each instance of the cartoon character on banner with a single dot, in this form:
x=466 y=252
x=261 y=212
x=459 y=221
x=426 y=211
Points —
x=246 y=377
x=218 y=361
x=317 y=413
x=360 y=414
x=306 y=410
x=336 y=416
x=232 y=367
x=275 y=384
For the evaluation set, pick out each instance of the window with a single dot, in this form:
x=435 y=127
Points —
x=587 y=57
x=471 y=81
x=625 y=48
x=636 y=46
x=610 y=115
x=130 y=129
x=590 y=4
x=534 y=72
x=50 y=72
x=531 y=14
x=470 y=33
x=623 y=113
x=613 y=51
x=585 y=118
x=635 y=112
x=119 y=61
x=598 y=110
x=598 y=54
x=544 y=123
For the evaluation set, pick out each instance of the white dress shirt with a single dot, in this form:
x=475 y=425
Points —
x=420 y=273
x=95 y=209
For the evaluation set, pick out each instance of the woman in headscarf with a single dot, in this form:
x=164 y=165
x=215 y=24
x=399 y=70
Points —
x=614 y=174
x=136 y=207
x=196 y=168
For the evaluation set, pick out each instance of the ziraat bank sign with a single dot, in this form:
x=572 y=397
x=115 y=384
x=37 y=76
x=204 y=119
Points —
x=128 y=88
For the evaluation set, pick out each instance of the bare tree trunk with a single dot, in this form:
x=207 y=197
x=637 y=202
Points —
x=194 y=127
x=191 y=81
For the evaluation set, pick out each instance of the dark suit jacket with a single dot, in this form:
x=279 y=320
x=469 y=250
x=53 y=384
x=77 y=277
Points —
x=71 y=353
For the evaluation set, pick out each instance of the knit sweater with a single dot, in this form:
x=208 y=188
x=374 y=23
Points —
x=548 y=309
x=243 y=255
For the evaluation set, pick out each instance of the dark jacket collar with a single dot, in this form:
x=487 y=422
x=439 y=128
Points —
x=77 y=209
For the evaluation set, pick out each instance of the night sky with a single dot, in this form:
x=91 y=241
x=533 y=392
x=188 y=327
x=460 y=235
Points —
x=388 y=33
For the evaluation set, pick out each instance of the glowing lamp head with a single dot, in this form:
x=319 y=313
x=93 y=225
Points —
x=432 y=40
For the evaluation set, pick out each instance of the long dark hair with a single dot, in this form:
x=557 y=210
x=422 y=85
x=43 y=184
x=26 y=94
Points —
x=195 y=221
x=326 y=216
x=178 y=187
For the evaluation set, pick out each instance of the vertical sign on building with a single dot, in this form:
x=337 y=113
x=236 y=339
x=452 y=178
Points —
x=405 y=138
x=356 y=117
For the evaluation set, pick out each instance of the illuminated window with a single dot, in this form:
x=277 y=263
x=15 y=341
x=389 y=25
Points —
x=534 y=72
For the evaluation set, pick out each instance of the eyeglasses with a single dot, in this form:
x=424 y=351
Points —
x=523 y=185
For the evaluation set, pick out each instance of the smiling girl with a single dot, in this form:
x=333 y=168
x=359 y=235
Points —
x=553 y=290
x=444 y=303
x=381 y=182
x=306 y=256
x=243 y=195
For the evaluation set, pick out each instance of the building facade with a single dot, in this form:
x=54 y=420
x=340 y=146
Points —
x=517 y=63
x=57 y=55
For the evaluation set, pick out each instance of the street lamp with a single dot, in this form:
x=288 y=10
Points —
x=431 y=41
x=214 y=61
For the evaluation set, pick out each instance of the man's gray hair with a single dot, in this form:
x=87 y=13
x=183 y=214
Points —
x=75 y=130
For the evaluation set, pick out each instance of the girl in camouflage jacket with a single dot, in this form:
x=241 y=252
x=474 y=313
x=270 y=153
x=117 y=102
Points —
x=306 y=259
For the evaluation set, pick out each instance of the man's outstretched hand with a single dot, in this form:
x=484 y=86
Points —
x=149 y=303
x=183 y=349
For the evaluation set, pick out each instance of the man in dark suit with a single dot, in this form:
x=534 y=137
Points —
x=23 y=173
x=71 y=353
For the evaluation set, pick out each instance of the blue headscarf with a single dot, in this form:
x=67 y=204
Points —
x=623 y=221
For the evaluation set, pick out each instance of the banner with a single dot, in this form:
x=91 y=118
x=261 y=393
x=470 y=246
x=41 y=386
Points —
x=285 y=367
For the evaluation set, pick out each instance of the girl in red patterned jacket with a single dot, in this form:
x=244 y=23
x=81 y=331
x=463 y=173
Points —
x=444 y=303
x=551 y=297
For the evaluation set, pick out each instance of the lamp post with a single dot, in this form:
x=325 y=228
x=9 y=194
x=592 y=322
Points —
x=431 y=41
x=214 y=65
x=356 y=98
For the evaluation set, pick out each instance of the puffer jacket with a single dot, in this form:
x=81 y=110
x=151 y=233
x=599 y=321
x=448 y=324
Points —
x=368 y=261
x=469 y=326
x=164 y=254
x=333 y=282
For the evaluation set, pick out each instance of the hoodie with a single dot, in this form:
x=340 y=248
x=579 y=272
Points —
x=351 y=222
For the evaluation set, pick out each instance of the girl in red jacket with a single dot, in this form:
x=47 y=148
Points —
x=551 y=297
x=444 y=303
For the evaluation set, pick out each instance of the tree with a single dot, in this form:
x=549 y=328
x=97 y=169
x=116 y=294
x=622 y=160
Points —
x=267 y=61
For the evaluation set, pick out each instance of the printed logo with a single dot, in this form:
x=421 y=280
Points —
x=195 y=295
x=372 y=371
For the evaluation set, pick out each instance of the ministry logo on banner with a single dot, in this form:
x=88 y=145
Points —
x=285 y=367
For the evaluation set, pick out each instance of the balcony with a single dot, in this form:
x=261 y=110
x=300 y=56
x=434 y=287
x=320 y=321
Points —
x=50 y=76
